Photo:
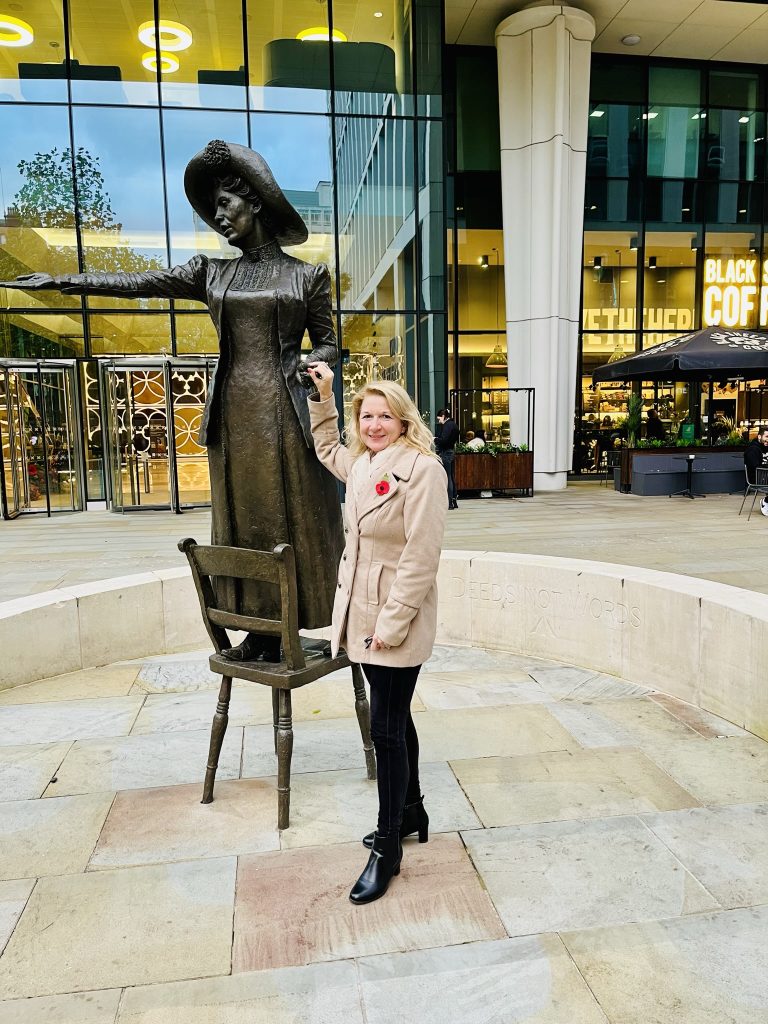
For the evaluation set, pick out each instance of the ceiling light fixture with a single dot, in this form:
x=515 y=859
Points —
x=378 y=14
x=630 y=40
x=743 y=120
x=483 y=261
x=497 y=360
x=168 y=63
x=15 y=32
x=597 y=262
x=315 y=35
x=597 y=113
x=651 y=262
x=173 y=35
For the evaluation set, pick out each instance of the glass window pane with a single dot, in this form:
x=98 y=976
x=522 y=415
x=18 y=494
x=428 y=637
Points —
x=375 y=167
x=37 y=225
x=93 y=435
x=481 y=281
x=732 y=277
x=615 y=140
x=196 y=335
x=372 y=69
x=431 y=215
x=111 y=64
x=613 y=200
x=675 y=202
x=674 y=138
x=617 y=81
x=610 y=280
x=33 y=69
x=734 y=88
x=120 y=196
x=41 y=335
x=477 y=111
x=428 y=37
x=669 y=282
x=204 y=64
x=130 y=334
x=377 y=346
x=306 y=181
x=734 y=202
x=186 y=132
x=675 y=86
x=733 y=145
x=285 y=72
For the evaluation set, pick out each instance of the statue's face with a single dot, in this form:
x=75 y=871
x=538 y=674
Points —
x=235 y=216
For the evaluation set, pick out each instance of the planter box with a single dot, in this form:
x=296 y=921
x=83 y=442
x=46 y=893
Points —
x=507 y=471
x=717 y=478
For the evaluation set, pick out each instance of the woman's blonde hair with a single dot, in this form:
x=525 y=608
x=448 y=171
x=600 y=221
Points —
x=416 y=434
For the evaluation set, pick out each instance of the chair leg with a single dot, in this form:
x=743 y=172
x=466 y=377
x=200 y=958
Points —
x=364 y=720
x=284 y=752
x=275 y=711
x=219 y=727
x=746 y=495
x=752 y=506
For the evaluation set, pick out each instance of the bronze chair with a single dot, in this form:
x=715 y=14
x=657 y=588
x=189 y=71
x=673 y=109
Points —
x=304 y=660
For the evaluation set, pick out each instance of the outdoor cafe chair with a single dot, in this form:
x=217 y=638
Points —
x=760 y=486
x=304 y=660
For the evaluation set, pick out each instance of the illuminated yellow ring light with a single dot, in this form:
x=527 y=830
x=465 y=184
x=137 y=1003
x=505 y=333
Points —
x=321 y=34
x=14 y=32
x=168 y=63
x=173 y=36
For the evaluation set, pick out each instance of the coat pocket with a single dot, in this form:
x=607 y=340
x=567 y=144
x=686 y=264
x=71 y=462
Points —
x=374 y=577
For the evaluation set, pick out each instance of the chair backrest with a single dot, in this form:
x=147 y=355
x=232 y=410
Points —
x=278 y=567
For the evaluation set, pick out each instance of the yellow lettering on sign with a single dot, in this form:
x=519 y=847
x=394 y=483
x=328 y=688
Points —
x=730 y=292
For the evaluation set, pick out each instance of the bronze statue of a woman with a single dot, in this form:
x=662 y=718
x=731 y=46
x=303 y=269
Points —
x=267 y=487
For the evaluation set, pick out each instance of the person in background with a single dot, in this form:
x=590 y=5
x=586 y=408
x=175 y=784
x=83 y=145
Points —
x=654 y=428
x=445 y=445
x=756 y=453
x=471 y=441
x=385 y=611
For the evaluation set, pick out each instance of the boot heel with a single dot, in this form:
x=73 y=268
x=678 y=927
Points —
x=424 y=834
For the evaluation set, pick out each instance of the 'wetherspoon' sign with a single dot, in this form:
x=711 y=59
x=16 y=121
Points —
x=732 y=292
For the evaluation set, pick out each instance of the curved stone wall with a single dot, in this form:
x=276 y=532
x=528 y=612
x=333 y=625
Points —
x=701 y=641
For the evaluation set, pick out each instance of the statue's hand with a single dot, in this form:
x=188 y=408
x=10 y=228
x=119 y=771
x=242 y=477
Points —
x=30 y=282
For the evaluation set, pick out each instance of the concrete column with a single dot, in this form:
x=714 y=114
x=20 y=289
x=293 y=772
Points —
x=544 y=55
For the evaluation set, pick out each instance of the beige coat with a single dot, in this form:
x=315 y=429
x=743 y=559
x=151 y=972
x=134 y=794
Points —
x=386 y=581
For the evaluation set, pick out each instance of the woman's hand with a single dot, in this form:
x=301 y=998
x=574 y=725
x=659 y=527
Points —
x=322 y=377
x=377 y=644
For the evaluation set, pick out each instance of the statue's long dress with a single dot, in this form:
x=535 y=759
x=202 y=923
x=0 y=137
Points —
x=262 y=470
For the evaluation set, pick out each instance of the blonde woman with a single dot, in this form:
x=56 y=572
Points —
x=385 y=611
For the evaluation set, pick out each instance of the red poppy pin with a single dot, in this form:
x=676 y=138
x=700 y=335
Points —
x=382 y=487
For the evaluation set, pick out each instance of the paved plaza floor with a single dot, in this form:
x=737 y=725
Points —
x=705 y=537
x=598 y=852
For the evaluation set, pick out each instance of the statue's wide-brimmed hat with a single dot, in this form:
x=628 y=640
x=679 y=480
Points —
x=222 y=159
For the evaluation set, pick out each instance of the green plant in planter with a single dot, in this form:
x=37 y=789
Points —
x=634 y=419
x=491 y=448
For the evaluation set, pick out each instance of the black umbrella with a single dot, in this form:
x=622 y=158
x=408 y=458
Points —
x=715 y=353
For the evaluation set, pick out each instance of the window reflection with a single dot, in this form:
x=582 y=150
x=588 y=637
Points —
x=113 y=64
x=374 y=161
x=372 y=70
x=481 y=280
x=610 y=280
x=669 y=297
x=733 y=145
x=286 y=73
x=615 y=140
x=377 y=348
x=130 y=334
x=41 y=335
x=37 y=214
x=211 y=71
x=35 y=72
x=120 y=195
x=196 y=335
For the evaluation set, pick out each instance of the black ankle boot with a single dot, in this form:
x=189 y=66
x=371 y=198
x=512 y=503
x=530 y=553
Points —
x=415 y=819
x=383 y=864
x=255 y=647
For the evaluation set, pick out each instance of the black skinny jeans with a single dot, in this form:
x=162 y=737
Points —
x=395 y=742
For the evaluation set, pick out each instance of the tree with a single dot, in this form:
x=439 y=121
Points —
x=47 y=196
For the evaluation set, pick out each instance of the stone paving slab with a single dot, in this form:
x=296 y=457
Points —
x=13 y=899
x=706 y=969
x=68 y=720
x=110 y=681
x=582 y=874
x=107 y=929
x=26 y=770
x=77 y=1008
x=733 y=770
x=292 y=907
x=567 y=784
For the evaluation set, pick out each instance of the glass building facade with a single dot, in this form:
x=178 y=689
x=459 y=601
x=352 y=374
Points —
x=101 y=107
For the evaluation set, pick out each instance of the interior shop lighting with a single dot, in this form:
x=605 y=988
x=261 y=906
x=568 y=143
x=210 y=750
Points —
x=633 y=243
x=173 y=35
x=744 y=120
x=496 y=360
x=314 y=35
x=168 y=62
x=651 y=262
x=378 y=14
x=597 y=113
x=597 y=262
x=483 y=261
x=650 y=116
x=697 y=117
x=15 y=32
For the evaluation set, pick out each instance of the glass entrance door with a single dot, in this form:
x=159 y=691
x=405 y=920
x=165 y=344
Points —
x=154 y=411
x=40 y=446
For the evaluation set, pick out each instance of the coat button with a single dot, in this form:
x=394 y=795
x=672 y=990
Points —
x=343 y=558
x=346 y=530
x=338 y=585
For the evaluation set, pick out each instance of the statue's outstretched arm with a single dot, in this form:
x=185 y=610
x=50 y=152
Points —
x=184 y=282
